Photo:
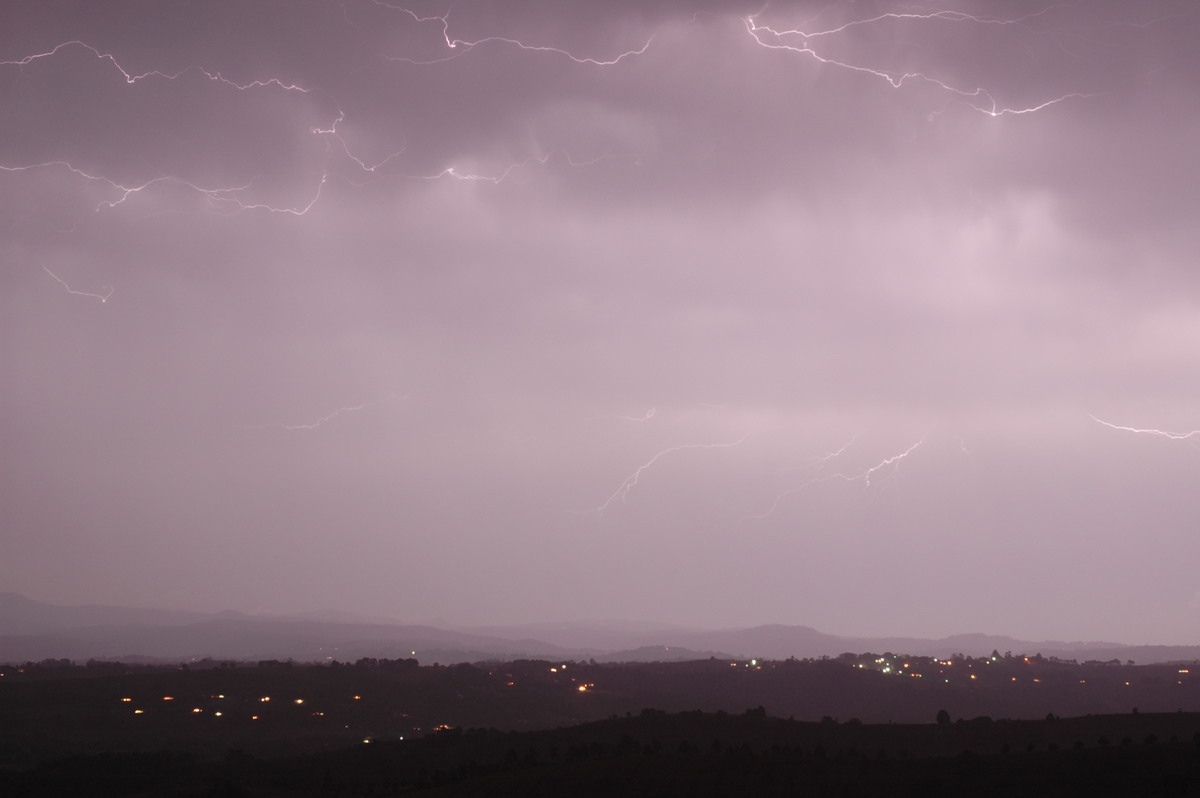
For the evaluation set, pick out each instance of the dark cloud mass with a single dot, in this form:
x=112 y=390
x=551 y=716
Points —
x=881 y=321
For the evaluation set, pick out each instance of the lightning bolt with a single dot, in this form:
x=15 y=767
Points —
x=862 y=476
x=233 y=199
x=865 y=476
x=631 y=481
x=216 y=196
x=462 y=46
x=332 y=132
x=102 y=297
x=391 y=397
x=224 y=197
x=132 y=78
x=978 y=98
x=818 y=465
x=1174 y=436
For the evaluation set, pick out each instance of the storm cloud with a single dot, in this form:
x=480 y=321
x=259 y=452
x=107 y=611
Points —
x=706 y=313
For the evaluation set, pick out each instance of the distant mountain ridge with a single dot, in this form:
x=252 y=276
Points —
x=32 y=631
x=24 y=616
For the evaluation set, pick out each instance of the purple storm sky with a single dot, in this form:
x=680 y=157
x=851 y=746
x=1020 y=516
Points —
x=880 y=318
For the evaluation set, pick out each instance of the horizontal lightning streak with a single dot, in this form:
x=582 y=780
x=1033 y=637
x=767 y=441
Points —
x=1175 y=436
x=944 y=15
x=219 y=196
x=391 y=397
x=463 y=46
x=134 y=78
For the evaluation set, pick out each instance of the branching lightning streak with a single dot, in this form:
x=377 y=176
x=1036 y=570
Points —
x=978 y=99
x=332 y=132
x=134 y=78
x=226 y=196
x=863 y=476
x=631 y=481
x=391 y=397
x=214 y=195
x=102 y=297
x=229 y=196
x=463 y=46
x=1174 y=436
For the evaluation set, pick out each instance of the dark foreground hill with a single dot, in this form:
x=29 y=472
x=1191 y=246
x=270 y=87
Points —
x=270 y=709
x=684 y=754
x=856 y=725
x=277 y=708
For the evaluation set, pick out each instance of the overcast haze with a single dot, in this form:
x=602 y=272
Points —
x=718 y=314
